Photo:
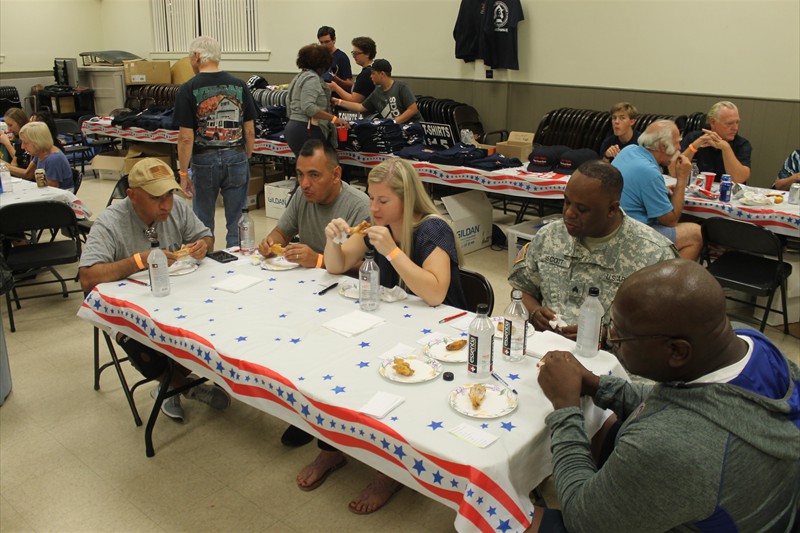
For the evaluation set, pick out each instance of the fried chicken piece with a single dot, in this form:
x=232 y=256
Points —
x=402 y=367
x=477 y=393
x=456 y=345
x=360 y=228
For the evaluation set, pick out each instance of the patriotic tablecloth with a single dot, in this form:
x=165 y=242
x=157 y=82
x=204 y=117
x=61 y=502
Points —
x=267 y=347
x=783 y=218
x=28 y=191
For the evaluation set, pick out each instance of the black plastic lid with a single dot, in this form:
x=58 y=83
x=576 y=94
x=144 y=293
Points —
x=370 y=254
x=594 y=291
x=154 y=244
x=246 y=210
x=483 y=309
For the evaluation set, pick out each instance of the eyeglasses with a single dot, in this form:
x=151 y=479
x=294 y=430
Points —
x=616 y=341
x=356 y=53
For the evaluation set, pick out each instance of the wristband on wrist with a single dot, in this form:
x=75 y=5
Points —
x=182 y=173
x=692 y=148
x=319 y=260
x=137 y=258
x=394 y=253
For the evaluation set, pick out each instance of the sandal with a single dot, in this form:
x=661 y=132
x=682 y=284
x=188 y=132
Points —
x=324 y=476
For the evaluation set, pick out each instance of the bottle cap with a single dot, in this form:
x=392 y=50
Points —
x=447 y=376
x=154 y=244
x=483 y=309
x=594 y=291
x=370 y=254
x=516 y=294
x=246 y=210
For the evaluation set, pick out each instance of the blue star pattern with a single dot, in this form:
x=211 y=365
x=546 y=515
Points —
x=435 y=425
x=508 y=426
x=362 y=364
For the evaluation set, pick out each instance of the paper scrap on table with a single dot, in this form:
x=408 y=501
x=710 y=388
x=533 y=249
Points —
x=547 y=341
x=353 y=323
x=236 y=283
x=399 y=350
x=432 y=337
x=381 y=404
x=462 y=323
x=474 y=436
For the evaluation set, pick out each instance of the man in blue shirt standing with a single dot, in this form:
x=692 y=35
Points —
x=645 y=196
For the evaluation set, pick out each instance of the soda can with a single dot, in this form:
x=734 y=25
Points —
x=725 y=187
x=794 y=194
x=41 y=177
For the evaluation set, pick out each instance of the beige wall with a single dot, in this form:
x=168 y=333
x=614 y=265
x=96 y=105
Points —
x=575 y=53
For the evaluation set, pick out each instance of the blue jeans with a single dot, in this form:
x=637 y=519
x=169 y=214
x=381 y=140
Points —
x=227 y=171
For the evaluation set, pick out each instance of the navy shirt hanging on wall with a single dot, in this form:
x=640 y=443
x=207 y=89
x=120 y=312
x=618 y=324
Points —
x=487 y=29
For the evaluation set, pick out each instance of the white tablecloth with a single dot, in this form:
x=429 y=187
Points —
x=266 y=345
x=28 y=191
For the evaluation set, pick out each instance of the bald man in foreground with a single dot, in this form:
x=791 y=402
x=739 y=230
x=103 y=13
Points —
x=714 y=445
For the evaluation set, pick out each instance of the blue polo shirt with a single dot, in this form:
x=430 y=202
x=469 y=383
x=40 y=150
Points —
x=644 y=194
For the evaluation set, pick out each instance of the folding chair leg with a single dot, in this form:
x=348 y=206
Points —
x=767 y=310
x=10 y=312
x=785 y=311
x=55 y=273
x=128 y=394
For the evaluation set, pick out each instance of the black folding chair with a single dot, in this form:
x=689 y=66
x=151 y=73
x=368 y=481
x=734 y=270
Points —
x=743 y=267
x=37 y=257
x=477 y=290
x=73 y=142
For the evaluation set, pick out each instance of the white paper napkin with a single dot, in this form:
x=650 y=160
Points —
x=236 y=283
x=462 y=323
x=353 y=323
x=381 y=404
x=473 y=435
x=546 y=341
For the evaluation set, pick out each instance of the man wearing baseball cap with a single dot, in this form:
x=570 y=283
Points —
x=390 y=99
x=118 y=246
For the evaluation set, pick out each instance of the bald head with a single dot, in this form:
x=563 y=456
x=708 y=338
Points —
x=681 y=300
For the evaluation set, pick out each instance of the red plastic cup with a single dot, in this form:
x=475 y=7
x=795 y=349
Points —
x=709 y=179
x=342 y=133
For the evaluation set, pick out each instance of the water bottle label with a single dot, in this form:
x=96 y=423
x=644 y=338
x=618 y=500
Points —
x=472 y=355
x=508 y=329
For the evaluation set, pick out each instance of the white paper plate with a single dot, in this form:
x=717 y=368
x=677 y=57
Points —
x=437 y=350
x=499 y=401
x=425 y=369
x=181 y=268
x=278 y=263
x=498 y=331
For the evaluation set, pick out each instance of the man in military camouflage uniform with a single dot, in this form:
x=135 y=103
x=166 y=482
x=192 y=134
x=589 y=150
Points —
x=595 y=245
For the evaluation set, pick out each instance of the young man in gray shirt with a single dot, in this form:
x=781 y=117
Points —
x=390 y=99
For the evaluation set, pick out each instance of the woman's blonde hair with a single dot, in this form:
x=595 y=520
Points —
x=403 y=180
x=37 y=134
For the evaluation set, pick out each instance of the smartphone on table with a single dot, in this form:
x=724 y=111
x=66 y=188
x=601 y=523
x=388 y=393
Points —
x=222 y=256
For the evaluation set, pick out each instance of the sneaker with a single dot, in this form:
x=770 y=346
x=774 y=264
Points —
x=171 y=406
x=210 y=395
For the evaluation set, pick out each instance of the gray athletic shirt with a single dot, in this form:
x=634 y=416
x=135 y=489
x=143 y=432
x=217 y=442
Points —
x=308 y=220
x=119 y=232
x=391 y=103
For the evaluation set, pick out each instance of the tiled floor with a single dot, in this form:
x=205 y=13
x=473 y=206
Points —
x=71 y=458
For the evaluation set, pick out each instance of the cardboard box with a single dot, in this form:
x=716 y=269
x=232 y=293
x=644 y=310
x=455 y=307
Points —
x=134 y=156
x=144 y=72
x=109 y=165
x=471 y=216
x=490 y=148
x=521 y=234
x=519 y=145
x=276 y=197
x=181 y=71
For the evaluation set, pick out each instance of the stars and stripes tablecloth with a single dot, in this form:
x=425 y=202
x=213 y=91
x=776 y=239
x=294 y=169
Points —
x=267 y=346
x=28 y=191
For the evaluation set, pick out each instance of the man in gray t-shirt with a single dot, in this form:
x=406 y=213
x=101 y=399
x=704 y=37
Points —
x=118 y=247
x=321 y=196
x=391 y=98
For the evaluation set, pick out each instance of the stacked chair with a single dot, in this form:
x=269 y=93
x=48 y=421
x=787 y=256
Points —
x=139 y=97
x=458 y=115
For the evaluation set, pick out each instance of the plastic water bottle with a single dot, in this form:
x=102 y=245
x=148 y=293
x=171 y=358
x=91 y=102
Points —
x=158 y=268
x=247 y=230
x=589 y=317
x=480 y=357
x=369 y=283
x=515 y=321
x=725 y=187
x=5 y=177
x=695 y=178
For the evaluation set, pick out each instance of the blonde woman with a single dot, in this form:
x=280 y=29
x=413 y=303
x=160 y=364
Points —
x=37 y=141
x=417 y=249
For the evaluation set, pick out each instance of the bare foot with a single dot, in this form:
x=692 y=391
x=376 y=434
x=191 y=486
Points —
x=375 y=495
x=315 y=473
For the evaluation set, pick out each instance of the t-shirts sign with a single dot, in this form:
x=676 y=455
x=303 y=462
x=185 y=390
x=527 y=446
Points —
x=438 y=134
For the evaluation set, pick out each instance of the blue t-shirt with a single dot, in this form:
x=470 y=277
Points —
x=644 y=194
x=57 y=168
x=431 y=233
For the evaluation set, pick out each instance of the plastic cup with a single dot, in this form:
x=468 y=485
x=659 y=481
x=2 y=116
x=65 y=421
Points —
x=342 y=133
x=709 y=179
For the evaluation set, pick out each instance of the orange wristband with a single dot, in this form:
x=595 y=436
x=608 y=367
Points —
x=319 y=260
x=394 y=253
x=138 y=259
x=692 y=148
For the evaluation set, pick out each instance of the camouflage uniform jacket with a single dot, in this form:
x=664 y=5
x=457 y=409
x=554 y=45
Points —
x=556 y=269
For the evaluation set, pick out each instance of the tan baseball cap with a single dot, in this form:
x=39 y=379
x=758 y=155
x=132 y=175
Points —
x=154 y=176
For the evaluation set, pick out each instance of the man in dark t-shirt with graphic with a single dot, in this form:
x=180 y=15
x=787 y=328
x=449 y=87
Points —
x=364 y=52
x=215 y=114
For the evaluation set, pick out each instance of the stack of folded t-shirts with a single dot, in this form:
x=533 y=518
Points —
x=419 y=152
x=382 y=136
x=271 y=119
x=459 y=155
